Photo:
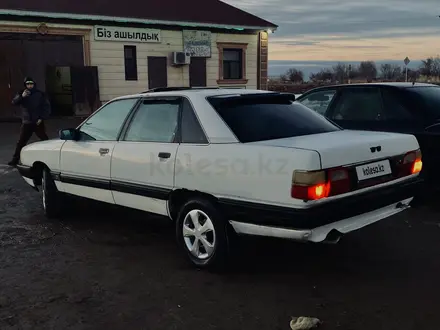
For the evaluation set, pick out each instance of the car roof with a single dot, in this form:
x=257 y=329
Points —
x=199 y=91
x=389 y=84
x=392 y=84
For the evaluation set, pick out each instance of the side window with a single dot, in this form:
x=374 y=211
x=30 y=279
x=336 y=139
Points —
x=393 y=106
x=359 y=104
x=192 y=132
x=105 y=124
x=319 y=101
x=154 y=121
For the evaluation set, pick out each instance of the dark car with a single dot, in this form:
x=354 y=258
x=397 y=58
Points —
x=390 y=107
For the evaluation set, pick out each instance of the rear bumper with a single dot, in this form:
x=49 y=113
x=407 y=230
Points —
x=349 y=209
x=331 y=232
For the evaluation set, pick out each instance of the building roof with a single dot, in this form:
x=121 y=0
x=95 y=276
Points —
x=213 y=13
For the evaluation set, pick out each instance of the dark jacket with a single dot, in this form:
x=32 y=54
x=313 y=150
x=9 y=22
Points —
x=34 y=107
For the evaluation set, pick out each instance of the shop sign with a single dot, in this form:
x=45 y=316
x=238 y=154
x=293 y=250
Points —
x=115 y=33
x=197 y=43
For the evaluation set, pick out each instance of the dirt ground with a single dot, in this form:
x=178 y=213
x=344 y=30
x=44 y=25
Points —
x=109 y=268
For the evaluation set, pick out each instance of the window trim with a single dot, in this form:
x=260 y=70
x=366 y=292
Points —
x=130 y=119
x=232 y=45
x=135 y=77
x=135 y=106
x=178 y=137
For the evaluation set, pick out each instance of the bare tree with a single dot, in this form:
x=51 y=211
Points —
x=283 y=77
x=430 y=67
x=390 y=72
x=353 y=71
x=295 y=75
x=325 y=75
x=368 y=70
x=413 y=75
x=340 y=72
x=426 y=68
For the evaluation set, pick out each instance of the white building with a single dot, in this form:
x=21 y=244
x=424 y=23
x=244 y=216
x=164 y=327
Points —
x=82 y=54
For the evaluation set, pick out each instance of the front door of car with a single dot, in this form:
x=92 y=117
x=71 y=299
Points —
x=359 y=108
x=143 y=161
x=85 y=162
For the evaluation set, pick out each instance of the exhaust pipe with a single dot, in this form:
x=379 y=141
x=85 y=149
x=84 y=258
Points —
x=402 y=206
x=333 y=237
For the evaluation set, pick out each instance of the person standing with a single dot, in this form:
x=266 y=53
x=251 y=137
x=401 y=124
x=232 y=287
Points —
x=35 y=109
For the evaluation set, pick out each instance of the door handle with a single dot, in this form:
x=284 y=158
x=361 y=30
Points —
x=164 y=155
x=103 y=151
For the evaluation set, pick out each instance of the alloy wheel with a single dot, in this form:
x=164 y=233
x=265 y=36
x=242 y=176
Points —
x=199 y=234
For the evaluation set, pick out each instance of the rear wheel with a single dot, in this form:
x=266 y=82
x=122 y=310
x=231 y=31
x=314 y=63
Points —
x=202 y=233
x=51 y=197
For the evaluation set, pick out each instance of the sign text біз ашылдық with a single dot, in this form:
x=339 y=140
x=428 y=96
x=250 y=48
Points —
x=114 y=33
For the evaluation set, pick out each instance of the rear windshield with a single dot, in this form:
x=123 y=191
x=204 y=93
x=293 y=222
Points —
x=269 y=118
x=429 y=97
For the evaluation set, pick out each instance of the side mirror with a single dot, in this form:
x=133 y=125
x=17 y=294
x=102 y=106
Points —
x=68 y=134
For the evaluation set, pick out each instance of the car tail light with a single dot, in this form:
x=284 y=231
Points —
x=314 y=185
x=418 y=164
x=411 y=163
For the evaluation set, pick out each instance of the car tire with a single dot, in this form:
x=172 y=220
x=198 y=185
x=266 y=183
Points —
x=51 y=197
x=202 y=233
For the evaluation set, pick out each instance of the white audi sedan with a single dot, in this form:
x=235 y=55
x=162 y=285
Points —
x=222 y=162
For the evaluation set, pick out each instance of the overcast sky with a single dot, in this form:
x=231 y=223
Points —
x=352 y=30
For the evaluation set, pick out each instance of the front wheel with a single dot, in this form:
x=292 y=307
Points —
x=202 y=232
x=51 y=197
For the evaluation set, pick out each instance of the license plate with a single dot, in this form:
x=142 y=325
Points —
x=373 y=170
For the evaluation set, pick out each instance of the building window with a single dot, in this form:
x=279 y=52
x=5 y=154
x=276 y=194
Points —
x=232 y=63
x=130 y=59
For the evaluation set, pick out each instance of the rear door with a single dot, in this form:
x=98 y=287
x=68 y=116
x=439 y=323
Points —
x=85 y=163
x=143 y=162
x=359 y=108
x=399 y=115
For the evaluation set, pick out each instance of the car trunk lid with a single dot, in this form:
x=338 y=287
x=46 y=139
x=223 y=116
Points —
x=348 y=147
